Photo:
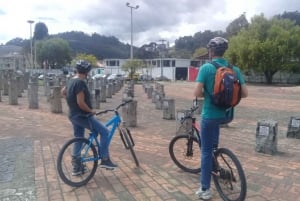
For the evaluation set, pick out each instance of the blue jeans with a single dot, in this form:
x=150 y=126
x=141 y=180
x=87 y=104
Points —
x=210 y=132
x=80 y=122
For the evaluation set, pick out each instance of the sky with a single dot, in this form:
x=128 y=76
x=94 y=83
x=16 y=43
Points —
x=153 y=21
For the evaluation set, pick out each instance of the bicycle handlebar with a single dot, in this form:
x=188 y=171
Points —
x=113 y=110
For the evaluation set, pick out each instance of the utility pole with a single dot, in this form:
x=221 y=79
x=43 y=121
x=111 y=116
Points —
x=161 y=49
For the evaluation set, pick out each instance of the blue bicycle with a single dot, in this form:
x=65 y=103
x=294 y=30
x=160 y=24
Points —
x=89 y=155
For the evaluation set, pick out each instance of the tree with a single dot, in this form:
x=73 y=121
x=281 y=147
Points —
x=267 y=46
x=88 y=57
x=236 y=25
x=54 y=52
x=131 y=66
x=199 y=52
x=40 y=31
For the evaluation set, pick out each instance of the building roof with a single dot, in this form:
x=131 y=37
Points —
x=9 y=50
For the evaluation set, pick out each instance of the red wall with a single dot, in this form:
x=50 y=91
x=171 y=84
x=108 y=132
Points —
x=193 y=72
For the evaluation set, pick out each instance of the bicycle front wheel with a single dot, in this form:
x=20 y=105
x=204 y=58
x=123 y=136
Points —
x=128 y=143
x=185 y=153
x=229 y=177
x=77 y=171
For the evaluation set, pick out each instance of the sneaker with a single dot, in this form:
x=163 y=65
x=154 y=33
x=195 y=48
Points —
x=106 y=163
x=204 y=195
x=79 y=170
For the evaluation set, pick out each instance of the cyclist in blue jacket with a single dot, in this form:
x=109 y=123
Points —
x=212 y=116
x=82 y=116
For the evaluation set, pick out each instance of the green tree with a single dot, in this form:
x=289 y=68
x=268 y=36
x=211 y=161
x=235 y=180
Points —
x=199 y=52
x=54 y=52
x=88 y=57
x=266 y=46
x=236 y=25
x=40 y=31
x=131 y=66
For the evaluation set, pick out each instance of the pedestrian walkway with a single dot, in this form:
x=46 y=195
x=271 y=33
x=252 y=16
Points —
x=30 y=141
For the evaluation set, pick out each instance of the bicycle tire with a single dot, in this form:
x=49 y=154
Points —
x=89 y=161
x=185 y=154
x=128 y=143
x=229 y=186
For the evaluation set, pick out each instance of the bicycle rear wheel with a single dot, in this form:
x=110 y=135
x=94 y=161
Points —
x=88 y=160
x=185 y=153
x=128 y=143
x=229 y=177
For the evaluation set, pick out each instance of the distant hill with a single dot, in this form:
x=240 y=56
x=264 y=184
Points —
x=98 y=45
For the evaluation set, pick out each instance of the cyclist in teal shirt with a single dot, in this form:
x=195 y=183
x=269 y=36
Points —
x=212 y=116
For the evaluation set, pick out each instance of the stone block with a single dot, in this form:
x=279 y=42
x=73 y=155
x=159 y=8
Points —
x=266 y=136
x=294 y=128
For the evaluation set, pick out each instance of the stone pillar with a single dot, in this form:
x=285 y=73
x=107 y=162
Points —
x=5 y=85
x=33 y=88
x=113 y=88
x=168 y=108
x=158 y=101
x=266 y=136
x=183 y=127
x=109 y=90
x=103 y=93
x=97 y=99
x=149 y=91
x=153 y=98
x=294 y=128
x=55 y=100
x=13 y=91
x=19 y=86
x=129 y=113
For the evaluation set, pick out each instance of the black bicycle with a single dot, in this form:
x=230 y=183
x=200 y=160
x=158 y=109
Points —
x=228 y=174
x=89 y=155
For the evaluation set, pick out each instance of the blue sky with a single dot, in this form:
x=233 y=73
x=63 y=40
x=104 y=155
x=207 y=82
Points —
x=152 y=21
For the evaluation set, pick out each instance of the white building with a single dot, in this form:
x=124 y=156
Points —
x=172 y=68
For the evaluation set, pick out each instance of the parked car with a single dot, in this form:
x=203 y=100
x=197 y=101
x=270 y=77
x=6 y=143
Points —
x=161 y=78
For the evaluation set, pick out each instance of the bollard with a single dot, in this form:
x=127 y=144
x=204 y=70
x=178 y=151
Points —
x=158 y=101
x=13 y=91
x=109 y=88
x=149 y=91
x=33 y=93
x=294 y=128
x=168 y=108
x=185 y=126
x=55 y=100
x=97 y=99
x=103 y=93
x=129 y=113
x=266 y=137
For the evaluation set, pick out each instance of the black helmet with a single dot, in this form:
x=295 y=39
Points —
x=218 y=44
x=83 y=66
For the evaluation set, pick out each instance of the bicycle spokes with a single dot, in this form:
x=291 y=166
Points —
x=228 y=176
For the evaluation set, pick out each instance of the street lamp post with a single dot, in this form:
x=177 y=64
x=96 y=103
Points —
x=31 y=57
x=131 y=47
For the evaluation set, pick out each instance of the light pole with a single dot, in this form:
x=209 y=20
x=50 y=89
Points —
x=131 y=47
x=31 y=58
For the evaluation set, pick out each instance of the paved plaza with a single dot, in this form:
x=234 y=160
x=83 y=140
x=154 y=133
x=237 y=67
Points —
x=30 y=140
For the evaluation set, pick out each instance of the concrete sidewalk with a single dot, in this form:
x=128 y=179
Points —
x=30 y=141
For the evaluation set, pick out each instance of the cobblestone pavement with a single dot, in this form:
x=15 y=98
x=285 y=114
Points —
x=30 y=141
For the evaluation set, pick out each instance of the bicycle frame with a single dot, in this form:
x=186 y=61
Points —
x=114 y=123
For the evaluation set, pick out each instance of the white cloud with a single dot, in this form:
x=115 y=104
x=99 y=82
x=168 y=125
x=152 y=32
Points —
x=152 y=21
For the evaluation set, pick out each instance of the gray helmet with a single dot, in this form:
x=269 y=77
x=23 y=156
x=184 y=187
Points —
x=83 y=66
x=218 y=44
